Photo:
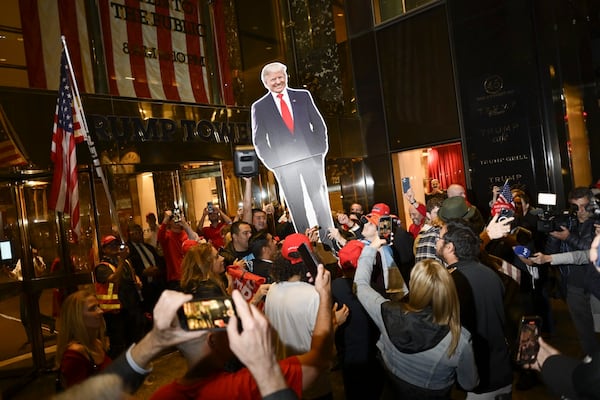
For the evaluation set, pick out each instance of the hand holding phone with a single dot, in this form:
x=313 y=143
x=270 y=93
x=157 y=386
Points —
x=505 y=213
x=309 y=259
x=384 y=227
x=206 y=314
x=405 y=184
x=527 y=341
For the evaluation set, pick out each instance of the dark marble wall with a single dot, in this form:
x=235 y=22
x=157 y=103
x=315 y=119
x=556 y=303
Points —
x=317 y=57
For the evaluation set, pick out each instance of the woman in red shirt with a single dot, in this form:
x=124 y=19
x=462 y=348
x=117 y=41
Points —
x=81 y=343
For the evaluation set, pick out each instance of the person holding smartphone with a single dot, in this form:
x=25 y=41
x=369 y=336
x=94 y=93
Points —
x=567 y=377
x=209 y=357
x=388 y=280
x=422 y=345
x=417 y=213
x=292 y=305
x=217 y=221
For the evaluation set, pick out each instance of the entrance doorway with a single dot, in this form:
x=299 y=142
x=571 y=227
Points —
x=422 y=166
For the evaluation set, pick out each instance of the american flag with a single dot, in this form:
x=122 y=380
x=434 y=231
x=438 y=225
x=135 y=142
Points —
x=64 y=196
x=10 y=155
x=171 y=68
x=505 y=196
x=505 y=200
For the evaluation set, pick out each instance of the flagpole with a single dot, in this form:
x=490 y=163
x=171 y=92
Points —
x=90 y=142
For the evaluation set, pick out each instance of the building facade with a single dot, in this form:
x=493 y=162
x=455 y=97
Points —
x=475 y=93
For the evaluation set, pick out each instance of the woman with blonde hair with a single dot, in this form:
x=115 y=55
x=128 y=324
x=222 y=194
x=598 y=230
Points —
x=81 y=343
x=202 y=269
x=422 y=346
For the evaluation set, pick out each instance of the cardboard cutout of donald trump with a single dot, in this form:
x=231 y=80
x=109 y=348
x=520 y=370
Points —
x=290 y=138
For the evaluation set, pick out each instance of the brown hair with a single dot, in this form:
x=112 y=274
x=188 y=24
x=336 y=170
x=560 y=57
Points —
x=72 y=328
x=197 y=266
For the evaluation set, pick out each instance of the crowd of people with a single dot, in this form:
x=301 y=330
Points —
x=418 y=313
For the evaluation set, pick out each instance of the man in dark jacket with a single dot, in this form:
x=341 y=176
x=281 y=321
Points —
x=480 y=292
x=239 y=247
x=148 y=266
x=577 y=233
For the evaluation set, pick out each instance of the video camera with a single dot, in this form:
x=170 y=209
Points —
x=553 y=222
x=594 y=208
x=550 y=220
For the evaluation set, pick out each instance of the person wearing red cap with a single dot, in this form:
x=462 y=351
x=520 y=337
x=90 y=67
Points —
x=118 y=291
x=291 y=306
x=356 y=339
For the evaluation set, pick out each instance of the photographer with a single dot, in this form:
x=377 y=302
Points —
x=577 y=233
x=173 y=231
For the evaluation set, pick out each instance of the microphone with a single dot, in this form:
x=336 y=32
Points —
x=522 y=251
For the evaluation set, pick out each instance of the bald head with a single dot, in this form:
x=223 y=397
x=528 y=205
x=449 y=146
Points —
x=456 y=190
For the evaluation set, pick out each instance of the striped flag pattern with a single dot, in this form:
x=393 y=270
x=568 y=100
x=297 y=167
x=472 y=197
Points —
x=43 y=23
x=505 y=196
x=147 y=53
x=10 y=155
x=154 y=59
x=64 y=195
x=504 y=200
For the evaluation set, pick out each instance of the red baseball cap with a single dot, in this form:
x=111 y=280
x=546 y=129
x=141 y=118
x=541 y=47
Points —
x=350 y=253
x=289 y=248
x=108 y=239
x=381 y=209
x=188 y=244
x=373 y=218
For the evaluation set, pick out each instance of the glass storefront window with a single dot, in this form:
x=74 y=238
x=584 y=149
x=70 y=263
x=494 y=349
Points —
x=34 y=279
x=385 y=10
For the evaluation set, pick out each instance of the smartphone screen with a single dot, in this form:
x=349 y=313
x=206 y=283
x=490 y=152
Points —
x=202 y=314
x=309 y=259
x=384 y=228
x=506 y=213
x=405 y=184
x=527 y=343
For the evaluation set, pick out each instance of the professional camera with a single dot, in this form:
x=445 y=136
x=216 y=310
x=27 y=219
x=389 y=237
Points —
x=553 y=222
x=594 y=208
x=550 y=220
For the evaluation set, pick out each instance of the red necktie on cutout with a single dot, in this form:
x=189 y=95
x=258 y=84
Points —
x=286 y=114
